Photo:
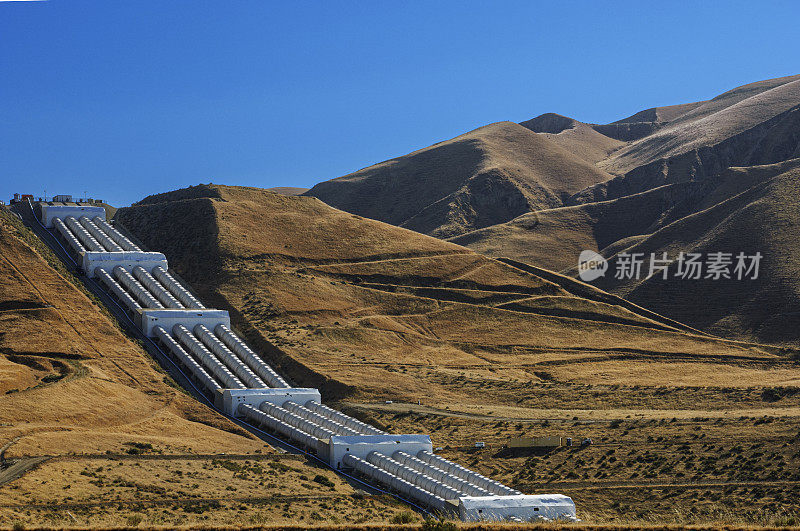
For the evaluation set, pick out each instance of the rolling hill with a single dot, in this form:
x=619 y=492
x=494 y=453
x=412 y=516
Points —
x=417 y=334
x=484 y=177
x=93 y=433
x=672 y=171
x=61 y=356
x=341 y=301
x=689 y=217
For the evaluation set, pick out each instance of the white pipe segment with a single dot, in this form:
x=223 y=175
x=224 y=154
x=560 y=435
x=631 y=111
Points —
x=117 y=290
x=206 y=358
x=396 y=483
x=180 y=293
x=132 y=285
x=293 y=420
x=228 y=358
x=413 y=476
x=294 y=434
x=438 y=474
x=155 y=288
x=495 y=487
x=83 y=235
x=332 y=425
x=67 y=234
x=109 y=244
x=341 y=418
x=186 y=360
x=249 y=357
x=115 y=235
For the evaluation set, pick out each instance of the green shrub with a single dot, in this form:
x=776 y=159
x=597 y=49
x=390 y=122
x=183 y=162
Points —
x=438 y=525
x=323 y=480
x=403 y=518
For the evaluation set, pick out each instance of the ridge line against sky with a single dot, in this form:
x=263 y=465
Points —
x=128 y=99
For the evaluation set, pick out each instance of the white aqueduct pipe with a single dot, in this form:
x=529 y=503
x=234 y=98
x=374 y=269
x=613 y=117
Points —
x=227 y=357
x=293 y=420
x=174 y=287
x=249 y=357
x=220 y=371
x=155 y=288
x=67 y=234
x=83 y=235
x=109 y=244
x=495 y=487
x=438 y=474
x=186 y=360
x=341 y=418
x=325 y=422
x=413 y=476
x=139 y=291
x=117 y=290
x=294 y=434
x=390 y=480
x=116 y=235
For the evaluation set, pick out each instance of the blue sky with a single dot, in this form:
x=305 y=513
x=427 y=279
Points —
x=128 y=98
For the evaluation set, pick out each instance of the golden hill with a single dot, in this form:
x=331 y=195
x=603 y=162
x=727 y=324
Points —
x=672 y=167
x=749 y=125
x=722 y=175
x=358 y=306
x=487 y=176
x=688 y=217
x=73 y=382
x=94 y=434
x=421 y=335
x=764 y=218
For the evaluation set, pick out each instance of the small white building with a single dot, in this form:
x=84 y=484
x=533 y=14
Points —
x=517 y=508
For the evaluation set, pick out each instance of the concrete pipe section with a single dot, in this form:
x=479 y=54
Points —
x=180 y=293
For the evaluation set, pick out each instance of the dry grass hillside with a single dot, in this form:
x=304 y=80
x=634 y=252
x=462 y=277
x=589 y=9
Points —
x=73 y=382
x=94 y=434
x=487 y=176
x=554 y=238
x=679 y=172
x=343 y=296
x=582 y=140
x=469 y=349
x=691 y=201
x=763 y=309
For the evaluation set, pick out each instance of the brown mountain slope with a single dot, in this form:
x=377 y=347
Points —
x=665 y=114
x=580 y=139
x=359 y=306
x=765 y=218
x=746 y=210
x=753 y=124
x=72 y=382
x=484 y=177
x=288 y=190
x=554 y=238
x=90 y=426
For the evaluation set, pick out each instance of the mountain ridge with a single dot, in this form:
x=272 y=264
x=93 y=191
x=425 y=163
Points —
x=659 y=166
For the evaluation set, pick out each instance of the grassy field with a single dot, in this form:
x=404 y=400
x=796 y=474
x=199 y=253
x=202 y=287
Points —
x=168 y=490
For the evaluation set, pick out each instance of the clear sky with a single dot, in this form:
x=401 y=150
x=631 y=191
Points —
x=128 y=98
